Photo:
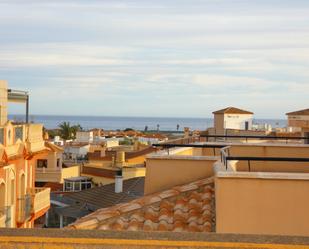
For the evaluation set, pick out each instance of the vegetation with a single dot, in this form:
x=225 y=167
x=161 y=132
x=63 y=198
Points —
x=128 y=129
x=126 y=141
x=66 y=131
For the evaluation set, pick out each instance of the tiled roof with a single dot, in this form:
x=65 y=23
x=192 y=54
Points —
x=301 y=112
x=184 y=208
x=105 y=196
x=53 y=147
x=232 y=110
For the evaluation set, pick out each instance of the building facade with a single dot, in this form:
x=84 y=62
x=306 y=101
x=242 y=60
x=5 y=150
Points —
x=21 y=203
x=232 y=118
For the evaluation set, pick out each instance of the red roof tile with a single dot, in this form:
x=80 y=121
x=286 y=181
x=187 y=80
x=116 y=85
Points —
x=232 y=110
x=184 y=208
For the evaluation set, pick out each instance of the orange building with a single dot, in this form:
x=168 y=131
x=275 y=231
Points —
x=20 y=145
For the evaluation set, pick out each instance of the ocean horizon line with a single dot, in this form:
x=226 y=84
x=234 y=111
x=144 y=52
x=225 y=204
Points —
x=125 y=116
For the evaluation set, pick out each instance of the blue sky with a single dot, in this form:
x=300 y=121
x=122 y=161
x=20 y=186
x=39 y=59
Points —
x=157 y=58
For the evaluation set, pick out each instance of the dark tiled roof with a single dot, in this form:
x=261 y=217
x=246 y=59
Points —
x=300 y=112
x=105 y=196
x=232 y=110
x=186 y=208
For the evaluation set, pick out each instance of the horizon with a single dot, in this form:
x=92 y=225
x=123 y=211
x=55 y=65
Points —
x=168 y=58
x=150 y=117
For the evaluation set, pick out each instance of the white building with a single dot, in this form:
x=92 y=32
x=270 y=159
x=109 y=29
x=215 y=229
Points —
x=232 y=118
x=84 y=137
x=76 y=151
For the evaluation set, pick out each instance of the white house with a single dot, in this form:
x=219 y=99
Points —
x=232 y=118
x=76 y=151
x=84 y=137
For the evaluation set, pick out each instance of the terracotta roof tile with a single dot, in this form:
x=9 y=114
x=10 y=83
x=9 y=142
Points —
x=300 y=112
x=232 y=110
x=184 y=208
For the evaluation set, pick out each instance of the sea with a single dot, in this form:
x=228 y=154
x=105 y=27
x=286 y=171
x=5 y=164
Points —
x=137 y=123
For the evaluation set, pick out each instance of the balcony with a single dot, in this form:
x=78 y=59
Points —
x=56 y=175
x=40 y=201
x=32 y=205
x=23 y=209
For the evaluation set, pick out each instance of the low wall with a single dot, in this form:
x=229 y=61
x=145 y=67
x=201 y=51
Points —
x=262 y=203
x=69 y=172
x=94 y=239
x=164 y=172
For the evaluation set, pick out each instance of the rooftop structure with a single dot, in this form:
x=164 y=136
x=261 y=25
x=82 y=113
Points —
x=299 y=121
x=232 y=118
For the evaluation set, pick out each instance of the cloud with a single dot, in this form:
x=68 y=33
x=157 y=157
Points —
x=166 y=58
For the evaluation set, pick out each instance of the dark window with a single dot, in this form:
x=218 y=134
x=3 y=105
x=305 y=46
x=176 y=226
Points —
x=18 y=134
x=2 y=136
x=42 y=163
x=58 y=162
x=246 y=125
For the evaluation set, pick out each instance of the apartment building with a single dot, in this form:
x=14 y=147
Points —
x=21 y=203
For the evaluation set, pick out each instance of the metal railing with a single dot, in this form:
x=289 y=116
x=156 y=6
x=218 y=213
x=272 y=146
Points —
x=247 y=138
x=168 y=146
x=226 y=157
x=24 y=207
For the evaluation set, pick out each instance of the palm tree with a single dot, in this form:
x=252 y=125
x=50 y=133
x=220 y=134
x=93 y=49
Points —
x=177 y=127
x=65 y=130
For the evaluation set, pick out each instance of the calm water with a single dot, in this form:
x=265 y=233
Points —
x=138 y=123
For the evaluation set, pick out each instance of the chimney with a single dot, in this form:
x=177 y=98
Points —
x=120 y=158
x=118 y=182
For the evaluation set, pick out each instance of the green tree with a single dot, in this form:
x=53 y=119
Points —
x=67 y=131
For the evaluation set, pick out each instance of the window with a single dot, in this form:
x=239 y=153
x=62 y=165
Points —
x=18 y=134
x=1 y=135
x=58 y=162
x=42 y=163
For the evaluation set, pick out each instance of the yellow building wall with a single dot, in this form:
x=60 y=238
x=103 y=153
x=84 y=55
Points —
x=262 y=206
x=164 y=173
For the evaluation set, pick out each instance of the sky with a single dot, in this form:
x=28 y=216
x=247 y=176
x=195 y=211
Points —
x=162 y=58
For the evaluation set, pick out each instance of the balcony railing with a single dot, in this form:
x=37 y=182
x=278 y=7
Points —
x=40 y=199
x=5 y=216
x=23 y=208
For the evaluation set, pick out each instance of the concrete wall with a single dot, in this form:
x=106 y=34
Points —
x=269 y=150
x=237 y=121
x=84 y=136
x=262 y=203
x=219 y=123
x=298 y=121
x=168 y=171
x=232 y=121
x=94 y=239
